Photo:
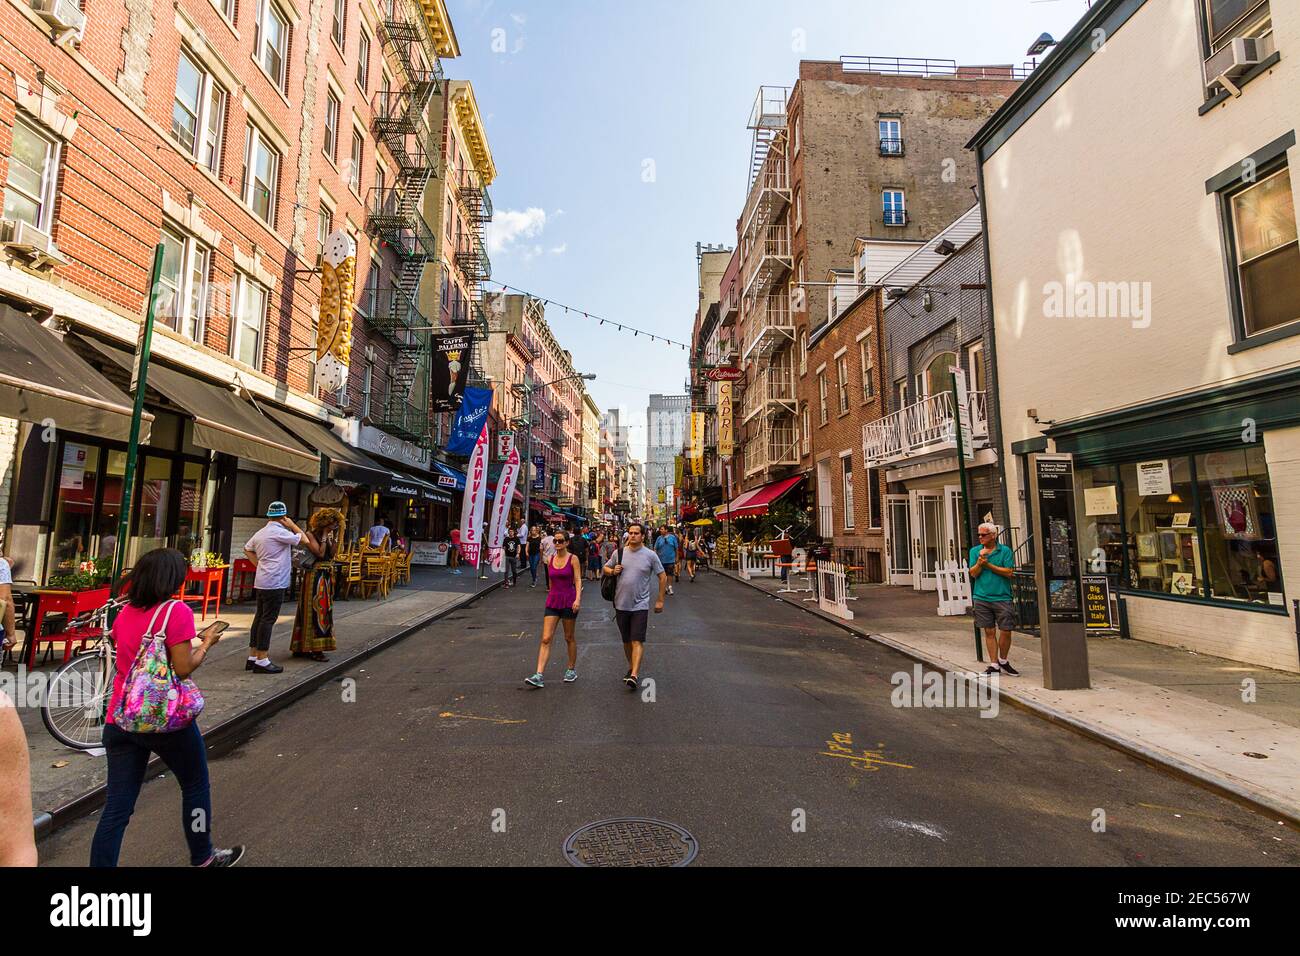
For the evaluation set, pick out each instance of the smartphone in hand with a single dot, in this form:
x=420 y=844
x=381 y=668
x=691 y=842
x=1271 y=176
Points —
x=212 y=633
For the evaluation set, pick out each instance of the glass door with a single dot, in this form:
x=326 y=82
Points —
x=898 y=539
x=952 y=525
x=150 y=532
x=927 y=538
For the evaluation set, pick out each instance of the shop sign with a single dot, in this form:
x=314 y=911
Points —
x=1154 y=479
x=381 y=443
x=1096 y=604
x=505 y=445
x=963 y=414
x=726 y=422
x=430 y=554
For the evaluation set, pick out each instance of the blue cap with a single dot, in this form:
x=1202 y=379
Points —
x=278 y=509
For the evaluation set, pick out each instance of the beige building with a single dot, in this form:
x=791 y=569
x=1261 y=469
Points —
x=588 y=478
x=1145 y=290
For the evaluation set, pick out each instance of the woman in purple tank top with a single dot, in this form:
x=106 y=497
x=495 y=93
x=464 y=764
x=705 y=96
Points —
x=563 y=602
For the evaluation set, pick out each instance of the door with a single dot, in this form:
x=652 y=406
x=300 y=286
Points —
x=898 y=539
x=826 y=519
x=927 y=539
x=954 y=537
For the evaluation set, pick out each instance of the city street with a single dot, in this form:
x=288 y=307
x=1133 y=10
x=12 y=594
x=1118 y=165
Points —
x=760 y=718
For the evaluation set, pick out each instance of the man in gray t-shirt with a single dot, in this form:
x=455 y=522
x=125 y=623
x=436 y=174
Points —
x=636 y=571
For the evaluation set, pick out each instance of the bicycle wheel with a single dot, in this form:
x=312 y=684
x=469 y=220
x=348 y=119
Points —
x=77 y=701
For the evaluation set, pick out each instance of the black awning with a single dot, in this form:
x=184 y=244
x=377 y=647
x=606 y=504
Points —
x=407 y=486
x=346 y=462
x=42 y=379
x=223 y=421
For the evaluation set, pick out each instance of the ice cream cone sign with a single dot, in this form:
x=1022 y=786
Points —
x=334 y=334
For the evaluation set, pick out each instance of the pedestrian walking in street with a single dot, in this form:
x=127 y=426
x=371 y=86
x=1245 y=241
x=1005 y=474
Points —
x=595 y=559
x=271 y=552
x=313 y=628
x=534 y=552
x=512 y=548
x=636 y=568
x=548 y=545
x=579 y=546
x=454 y=557
x=691 y=554
x=151 y=614
x=17 y=843
x=380 y=537
x=563 y=602
x=992 y=567
x=665 y=547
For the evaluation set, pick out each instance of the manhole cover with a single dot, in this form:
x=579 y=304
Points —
x=631 y=842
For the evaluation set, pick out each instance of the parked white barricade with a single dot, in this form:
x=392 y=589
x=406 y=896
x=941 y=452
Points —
x=757 y=563
x=800 y=580
x=954 y=590
x=833 y=589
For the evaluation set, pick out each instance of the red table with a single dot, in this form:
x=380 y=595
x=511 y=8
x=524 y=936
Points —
x=71 y=603
x=211 y=582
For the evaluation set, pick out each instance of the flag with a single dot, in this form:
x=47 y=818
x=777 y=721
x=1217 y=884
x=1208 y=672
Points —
x=501 y=507
x=450 y=371
x=471 y=516
x=470 y=420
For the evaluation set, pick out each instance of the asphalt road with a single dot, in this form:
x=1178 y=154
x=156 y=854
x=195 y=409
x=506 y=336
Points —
x=738 y=746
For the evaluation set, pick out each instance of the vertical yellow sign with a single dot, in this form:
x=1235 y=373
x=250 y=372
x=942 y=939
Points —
x=697 y=443
x=726 y=422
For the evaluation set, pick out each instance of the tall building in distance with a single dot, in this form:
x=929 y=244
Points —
x=667 y=435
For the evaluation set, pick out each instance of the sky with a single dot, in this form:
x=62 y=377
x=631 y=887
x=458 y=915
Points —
x=619 y=133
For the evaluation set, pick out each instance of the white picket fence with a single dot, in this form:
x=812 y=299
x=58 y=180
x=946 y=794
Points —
x=954 y=590
x=833 y=589
x=756 y=562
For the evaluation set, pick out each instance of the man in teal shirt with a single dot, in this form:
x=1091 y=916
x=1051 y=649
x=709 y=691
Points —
x=992 y=566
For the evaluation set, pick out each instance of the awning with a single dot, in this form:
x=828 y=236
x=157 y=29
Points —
x=223 y=421
x=408 y=486
x=756 y=503
x=449 y=479
x=42 y=379
x=346 y=463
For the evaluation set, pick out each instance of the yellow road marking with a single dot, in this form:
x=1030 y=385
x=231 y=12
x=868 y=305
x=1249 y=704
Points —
x=490 y=720
x=870 y=758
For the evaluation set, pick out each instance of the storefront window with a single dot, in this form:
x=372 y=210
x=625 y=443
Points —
x=1241 y=545
x=74 y=507
x=151 y=517
x=1101 y=533
x=1160 y=522
x=110 y=509
x=189 y=522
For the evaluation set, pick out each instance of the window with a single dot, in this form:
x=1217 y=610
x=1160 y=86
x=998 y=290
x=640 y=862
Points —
x=798 y=134
x=372 y=288
x=874 y=500
x=891 y=136
x=339 y=25
x=272 y=41
x=1267 y=256
x=183 y=293
x=868 y=369
x=849 y=520
x=807 y=429
x=261 y=174
x=937 y=378
x=363 y=60
x=367 y=389
x=975 y=362
x=803 y=354
x=381 y=179
x=250 y=322
x=324 y=225
x=798 y=209
x=449 y=218
x=821 y=395
x=895 y=210
x=198 y=113
x=332 y=106
x=33 y=171
x=354 y=174
x=1226 y=19
x=842 y=369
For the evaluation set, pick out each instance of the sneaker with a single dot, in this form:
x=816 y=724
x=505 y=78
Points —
x=1009 y=670
x=267 y=668
x=570 y=676
x=630 y=681
x=229 y=857
x=670 y=589
x=250 y=664
x=993 y=671
x=535 y=681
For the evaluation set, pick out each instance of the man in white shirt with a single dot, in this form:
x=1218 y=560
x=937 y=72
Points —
x=548 y=545
x=271 y=551
x=379 y=534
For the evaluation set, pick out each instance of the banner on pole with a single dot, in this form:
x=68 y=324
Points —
x=450 y=372
x=470 y=421
x=539 y=473
x=471 y=516
x=697 y=443
x=726 y=421
x=501 y=507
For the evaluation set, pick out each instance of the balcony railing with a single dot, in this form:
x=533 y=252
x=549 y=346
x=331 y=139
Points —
x=891 y=147
x=923 y=429
x=770 y=194
x=773 y=390
x=775 y=446
x=770 y=259
x=895 y=217
x=769 y=326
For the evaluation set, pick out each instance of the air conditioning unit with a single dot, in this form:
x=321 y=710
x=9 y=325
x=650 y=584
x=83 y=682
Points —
x=64 y=15
x=1236 y=58
x=24 y=237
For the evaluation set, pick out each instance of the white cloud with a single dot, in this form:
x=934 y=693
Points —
x=511 y=226
x=560 y=250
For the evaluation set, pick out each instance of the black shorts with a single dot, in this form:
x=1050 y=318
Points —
x=632 y=625
x=670 y=569
x=999 y=614
x=566 y=614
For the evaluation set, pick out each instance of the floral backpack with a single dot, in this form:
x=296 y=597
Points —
x=154 y=700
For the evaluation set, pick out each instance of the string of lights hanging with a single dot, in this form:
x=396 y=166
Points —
x=571 y=309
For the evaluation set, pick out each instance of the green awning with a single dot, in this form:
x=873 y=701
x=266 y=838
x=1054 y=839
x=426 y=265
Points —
x=223 y=421
x=41 y=379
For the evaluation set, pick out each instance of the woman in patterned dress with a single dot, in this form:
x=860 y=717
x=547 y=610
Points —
x=313 y=628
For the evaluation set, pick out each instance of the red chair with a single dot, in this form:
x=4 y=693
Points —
x=239 y=578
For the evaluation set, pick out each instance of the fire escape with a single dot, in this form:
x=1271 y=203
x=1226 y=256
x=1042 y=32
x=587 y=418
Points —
x=396 y=216
x=472 y=260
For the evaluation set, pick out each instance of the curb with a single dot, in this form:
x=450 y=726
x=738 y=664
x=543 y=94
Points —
x=229 y=732
x=1158 y=759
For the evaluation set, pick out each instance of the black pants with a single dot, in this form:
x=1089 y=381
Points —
x=268 y=611
x=128 y=759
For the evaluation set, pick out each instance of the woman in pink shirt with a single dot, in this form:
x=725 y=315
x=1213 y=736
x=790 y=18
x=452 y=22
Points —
x=157 y=576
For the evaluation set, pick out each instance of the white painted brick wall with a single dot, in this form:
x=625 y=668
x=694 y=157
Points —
x=8 y=457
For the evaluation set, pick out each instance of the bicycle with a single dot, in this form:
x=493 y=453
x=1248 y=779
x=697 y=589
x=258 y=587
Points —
x=76 y=701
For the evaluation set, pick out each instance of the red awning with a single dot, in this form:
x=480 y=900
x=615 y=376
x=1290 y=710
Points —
x=754 y=504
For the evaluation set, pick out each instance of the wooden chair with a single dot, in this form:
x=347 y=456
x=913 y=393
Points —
x=404 y=567
x=374 y=574
x=350 y=566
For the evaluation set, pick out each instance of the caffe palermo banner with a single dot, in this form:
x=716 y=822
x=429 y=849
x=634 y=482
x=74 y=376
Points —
x=334 y=331
x=451 y=357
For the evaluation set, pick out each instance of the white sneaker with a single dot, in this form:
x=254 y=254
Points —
x=670 y=589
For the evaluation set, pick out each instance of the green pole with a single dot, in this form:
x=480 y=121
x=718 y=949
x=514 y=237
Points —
x=965 y=539
x=139 y=379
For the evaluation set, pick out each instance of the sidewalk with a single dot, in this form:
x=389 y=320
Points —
x=232 y=692
x=1164 y=705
